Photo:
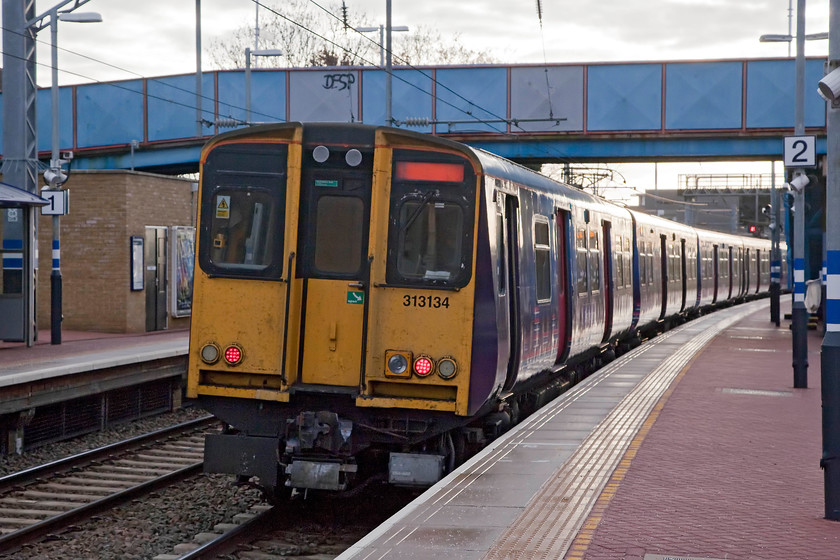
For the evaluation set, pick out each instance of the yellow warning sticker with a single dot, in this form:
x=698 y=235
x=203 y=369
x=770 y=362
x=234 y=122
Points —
x=223 y=207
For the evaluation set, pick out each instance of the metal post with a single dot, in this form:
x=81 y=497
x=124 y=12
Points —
x=830 y=351
x=388 y=117
x=55 y=167
x=799 y=313
x=247 y=84
x=775 y=256
x=20 y=154
x=198 y=96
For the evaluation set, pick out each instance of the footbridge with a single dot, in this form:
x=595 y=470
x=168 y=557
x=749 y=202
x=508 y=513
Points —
x=645 y=111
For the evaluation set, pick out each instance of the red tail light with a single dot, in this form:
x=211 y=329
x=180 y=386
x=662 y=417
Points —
x=423 y=366
x=233 y=355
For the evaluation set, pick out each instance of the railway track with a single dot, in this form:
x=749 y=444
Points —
x=45 y=499
x=320 y=527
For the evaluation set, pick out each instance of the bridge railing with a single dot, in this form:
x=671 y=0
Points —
x=489 y=103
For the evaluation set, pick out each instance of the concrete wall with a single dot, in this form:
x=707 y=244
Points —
x=107 y=208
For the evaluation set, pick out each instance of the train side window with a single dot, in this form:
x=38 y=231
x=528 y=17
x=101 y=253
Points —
x=338 y=247
x=618 y=263
x=642 y=263
x=542 y=259
x=650 y=256
x=581 y=259
x=501 y=254
x=594 y=261
x=628 y=262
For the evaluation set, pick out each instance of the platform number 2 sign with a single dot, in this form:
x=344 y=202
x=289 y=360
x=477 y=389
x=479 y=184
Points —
x=800 y=151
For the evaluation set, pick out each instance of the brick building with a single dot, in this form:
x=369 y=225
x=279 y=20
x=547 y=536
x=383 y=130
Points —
x=110 y=212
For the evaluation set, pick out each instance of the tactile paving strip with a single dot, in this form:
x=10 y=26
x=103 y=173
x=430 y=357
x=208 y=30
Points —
x=552 y=519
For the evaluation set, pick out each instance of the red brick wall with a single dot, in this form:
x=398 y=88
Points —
x=106 y=209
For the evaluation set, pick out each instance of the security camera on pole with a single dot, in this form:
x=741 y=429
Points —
x=55 y=176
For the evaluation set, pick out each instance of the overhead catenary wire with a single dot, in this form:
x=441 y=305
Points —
x=545 y=60
x=117 y=85
x=438 y=85
x=404 y=62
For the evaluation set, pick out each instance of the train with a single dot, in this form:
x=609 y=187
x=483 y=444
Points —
x=372 y=303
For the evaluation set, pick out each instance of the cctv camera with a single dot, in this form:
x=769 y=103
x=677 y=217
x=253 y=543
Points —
x=829 y=86
x=54 y=177
x=799 y=182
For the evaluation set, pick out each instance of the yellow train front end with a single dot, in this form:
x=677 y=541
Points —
x=332 y=326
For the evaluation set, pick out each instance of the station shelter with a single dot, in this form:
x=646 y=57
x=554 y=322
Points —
x=17 y=214
x=126 y=254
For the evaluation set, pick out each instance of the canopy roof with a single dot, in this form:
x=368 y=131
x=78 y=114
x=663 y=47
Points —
x=13 y=197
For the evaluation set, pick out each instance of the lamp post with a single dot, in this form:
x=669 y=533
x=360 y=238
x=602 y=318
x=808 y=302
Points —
x=381 y=29
x=248 y=54
x=55 y=177
x=387 y=47
x=799 y=313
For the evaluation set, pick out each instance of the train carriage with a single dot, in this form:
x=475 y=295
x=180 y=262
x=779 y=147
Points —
x=369 y=299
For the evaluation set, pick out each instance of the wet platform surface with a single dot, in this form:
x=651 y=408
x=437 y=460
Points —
x=694 y=446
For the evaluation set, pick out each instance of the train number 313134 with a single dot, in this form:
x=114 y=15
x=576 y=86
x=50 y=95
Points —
x=426 y=301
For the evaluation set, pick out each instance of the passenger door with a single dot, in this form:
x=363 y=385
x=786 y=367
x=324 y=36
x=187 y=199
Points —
x=509 y=304
x=335 y=218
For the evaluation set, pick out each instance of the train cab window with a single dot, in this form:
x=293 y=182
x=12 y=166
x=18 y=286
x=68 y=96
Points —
x=542 y=252
x=430 y=240
x=242 y=211
x=433 y=208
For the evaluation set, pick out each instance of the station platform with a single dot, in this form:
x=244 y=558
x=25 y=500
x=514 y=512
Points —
x=84 y=351
x=694 y=446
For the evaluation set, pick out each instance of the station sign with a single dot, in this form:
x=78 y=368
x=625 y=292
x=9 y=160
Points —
x=800 y=151
x=59 y=203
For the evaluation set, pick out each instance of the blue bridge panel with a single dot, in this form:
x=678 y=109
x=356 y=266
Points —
x=625 y=97
x=411 y=96
x=110 y=113
x=703 y=95
x=545 y=93
x=268 y=96
x=457 y=88
x=65 y=119
x=172 y=106
x=771 y=93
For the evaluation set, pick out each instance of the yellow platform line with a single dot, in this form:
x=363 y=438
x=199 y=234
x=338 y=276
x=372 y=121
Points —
x=581 y=543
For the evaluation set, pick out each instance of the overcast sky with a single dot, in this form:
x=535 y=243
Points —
x=157 y=37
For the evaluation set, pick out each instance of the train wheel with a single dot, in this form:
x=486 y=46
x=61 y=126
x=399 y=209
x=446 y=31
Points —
x=458 y=449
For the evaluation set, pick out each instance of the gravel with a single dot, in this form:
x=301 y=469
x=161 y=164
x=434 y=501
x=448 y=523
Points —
x=154 y=524
x=54 y=451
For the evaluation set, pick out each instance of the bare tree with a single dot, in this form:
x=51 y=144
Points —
x=305 y=34
x=308 y=36
x=426 y=46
